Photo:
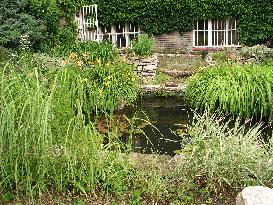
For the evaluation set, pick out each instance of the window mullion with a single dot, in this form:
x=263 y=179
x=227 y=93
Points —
x=209 y=33
x=227 y=37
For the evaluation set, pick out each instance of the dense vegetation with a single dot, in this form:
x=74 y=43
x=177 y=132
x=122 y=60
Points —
x=237 y=90
x=47 y=144
x=33 y=17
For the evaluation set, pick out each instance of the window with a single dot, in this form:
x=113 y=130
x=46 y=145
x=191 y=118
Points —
x=215 y=33
x=119 y=34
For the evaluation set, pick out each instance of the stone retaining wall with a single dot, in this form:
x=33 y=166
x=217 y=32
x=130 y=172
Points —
x=145 y=67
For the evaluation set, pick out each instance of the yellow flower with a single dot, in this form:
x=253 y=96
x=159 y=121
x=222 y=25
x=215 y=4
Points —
x=107 y=64
x=98 y=61
x=107 y=83
x=100 y=92
x=91 y=63
x=73 y=55
x=64 y=62
x=79 y=63
x=85 y=55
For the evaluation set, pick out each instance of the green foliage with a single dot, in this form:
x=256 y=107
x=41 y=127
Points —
x=45 y=141
x=143 y=45
x=154 y=16
x=220 y=158
x=238 y=90
x=15 y=22
x=89 y=53
x=257 y=54
x=105 y=87
x=160 y=16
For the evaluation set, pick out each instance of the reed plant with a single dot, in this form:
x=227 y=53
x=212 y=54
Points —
x=237 y=90
x=45 y=144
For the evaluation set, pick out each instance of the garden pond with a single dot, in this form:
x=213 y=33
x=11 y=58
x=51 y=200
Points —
x=162 y=121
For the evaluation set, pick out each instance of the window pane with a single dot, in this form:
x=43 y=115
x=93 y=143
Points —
x=230 y=38
x=236 y=38
x=121 y=41
x=206 y=38
x=120 y=28
x=200 y=38
x=200 y=25
x=214 y=37
x=231 y=24
x=133 y=28
x=220 y=38
x=206 y=25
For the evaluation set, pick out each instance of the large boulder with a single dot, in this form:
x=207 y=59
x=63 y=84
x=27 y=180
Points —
x=255 y=195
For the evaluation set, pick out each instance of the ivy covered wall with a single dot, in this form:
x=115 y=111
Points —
x=157 y=16
x=160 y=16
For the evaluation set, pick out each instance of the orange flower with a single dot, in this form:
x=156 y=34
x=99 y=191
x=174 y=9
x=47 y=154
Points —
x=73 y=55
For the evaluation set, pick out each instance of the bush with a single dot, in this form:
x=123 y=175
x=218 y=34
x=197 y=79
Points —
x=238 y=90
x=104 y=87
x=90 y=52
x=14 y=23
x=258 y=53
x=143 y=45
x=221 y=159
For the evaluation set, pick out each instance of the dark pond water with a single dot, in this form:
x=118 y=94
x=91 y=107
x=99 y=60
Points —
x=159 y=118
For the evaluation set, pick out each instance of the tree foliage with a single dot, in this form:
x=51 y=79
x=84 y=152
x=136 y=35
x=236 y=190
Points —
x=15 y=22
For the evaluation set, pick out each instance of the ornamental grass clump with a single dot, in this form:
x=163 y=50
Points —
x=224 y=157
x=244 y=91
x=45 y=144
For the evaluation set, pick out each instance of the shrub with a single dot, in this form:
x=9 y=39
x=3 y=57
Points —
x=14 y=23
x=238 y=90
x=89 y=52
x=143 y=45
x=221 y=159
x=105 y=87
x=258 y=53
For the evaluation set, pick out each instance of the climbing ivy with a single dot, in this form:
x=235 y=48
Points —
x=158 y=16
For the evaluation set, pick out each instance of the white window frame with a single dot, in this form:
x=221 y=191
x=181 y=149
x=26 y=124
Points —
x=210 y=32
x=113 y=35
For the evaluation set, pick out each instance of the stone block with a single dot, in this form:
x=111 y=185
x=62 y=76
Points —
x=255 y=195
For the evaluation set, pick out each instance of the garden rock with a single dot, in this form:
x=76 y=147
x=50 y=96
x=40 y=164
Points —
x=257 y=195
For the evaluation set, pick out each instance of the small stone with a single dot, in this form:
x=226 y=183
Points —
x=255 y=195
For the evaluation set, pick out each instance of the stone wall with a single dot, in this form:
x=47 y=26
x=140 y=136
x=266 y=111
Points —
x=174 y=42
x=145 y=67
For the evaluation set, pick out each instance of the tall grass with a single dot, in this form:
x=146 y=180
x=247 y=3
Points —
x=45 y=147
x=238 y=90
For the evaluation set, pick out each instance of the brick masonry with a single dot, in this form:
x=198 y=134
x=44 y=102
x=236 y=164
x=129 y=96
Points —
x=175 y=42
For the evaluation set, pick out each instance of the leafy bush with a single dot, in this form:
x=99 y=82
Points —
x=238 y=90
x=89 y=53
x=258 y=53
x=104 y=87
x=143 y=45
x=15 y=22
x=219 y=158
